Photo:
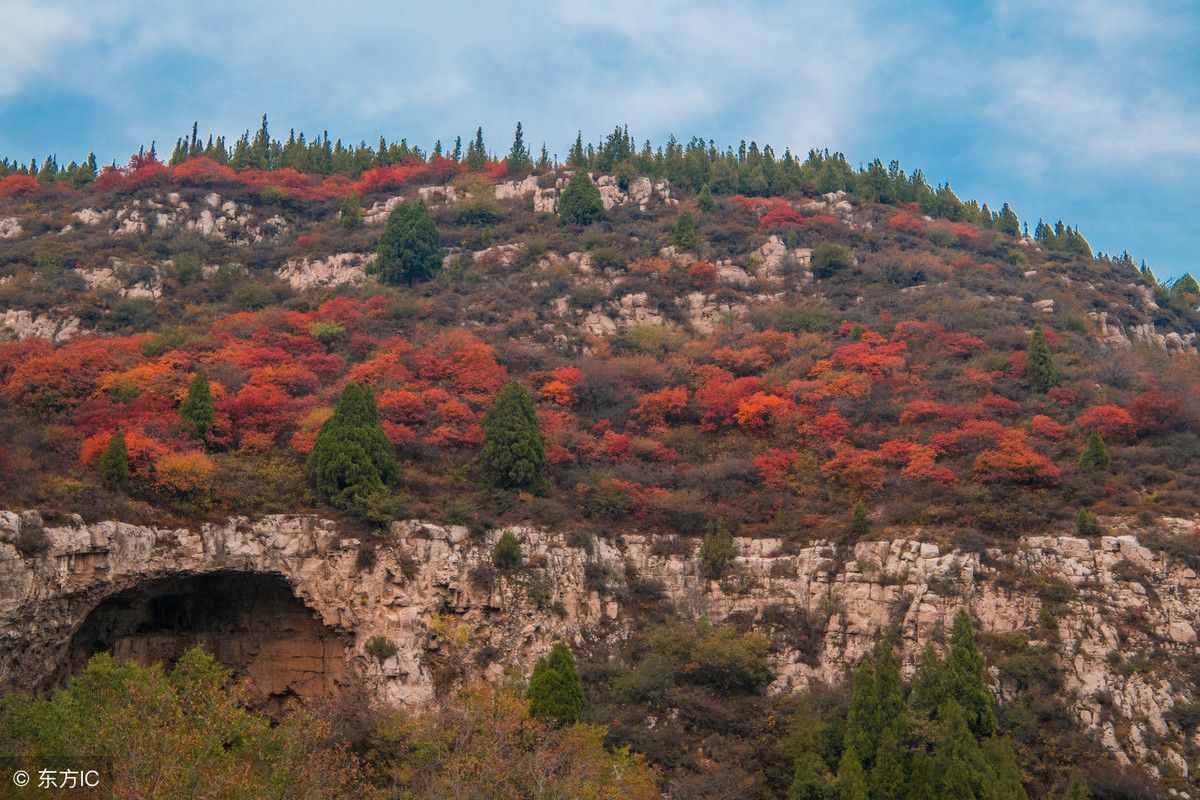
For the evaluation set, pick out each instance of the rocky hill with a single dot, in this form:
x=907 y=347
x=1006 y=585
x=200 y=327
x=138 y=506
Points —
x=826 y=405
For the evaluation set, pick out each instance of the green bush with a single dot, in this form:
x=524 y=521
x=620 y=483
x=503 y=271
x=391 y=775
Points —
x=555 y=690
x=352 y=459
x=829 y=258
x=716 y=553
x=506 y=555
x=114 y=463
x=410 y=249
x=580 y=203
x=381 y=648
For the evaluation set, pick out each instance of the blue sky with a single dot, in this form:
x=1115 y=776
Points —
x=1085 y=110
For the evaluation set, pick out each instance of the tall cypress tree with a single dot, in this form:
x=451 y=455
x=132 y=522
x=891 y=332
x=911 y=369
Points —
x=965 y=677
x=514 y=455
x=958 y=766
x=1039 y=364
x=888 y=781
x=810 y=779
x=519 y=162
x=114 y=463
x=197 y=409
x=555 y=690
x=352 y=459
x=862 y=719
x=851 y=779
x=1004 y=774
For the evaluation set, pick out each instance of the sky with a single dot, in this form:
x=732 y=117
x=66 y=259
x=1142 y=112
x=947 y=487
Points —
x=1082 y=110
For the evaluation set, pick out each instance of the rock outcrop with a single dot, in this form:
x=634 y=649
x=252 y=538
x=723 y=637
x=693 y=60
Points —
x=335 y=270
x=22 y=324
x=432 y=591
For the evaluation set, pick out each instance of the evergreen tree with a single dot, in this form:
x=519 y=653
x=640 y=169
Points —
x=410 y=249
x=197 y=409
x=810 y=780
x=704 y=200
x=352 y=459
x=921 y=784
x=888 y=781
x=513 y=454
x=1003 y=781
x=958 y=767
x=476 y=152
x=555 y=690
x=506 y=555
x=580 y=203
x=686 y=233
x=928 y=685
x=114 y=463
x=965 y=677
x=859 y=524
x=1095 y=453
x=851 y=780
x=862 y=719
x=519 y=162
x=575 y=156
x=1039 y=364
x=1008 y=221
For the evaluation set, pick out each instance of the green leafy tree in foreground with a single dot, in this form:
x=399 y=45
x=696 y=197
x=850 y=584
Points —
x=580 y=203
x=1039 y=364
x=197 y=409
x=410 y=249
x=514 y=455
x=555 y=690
x=114 y=463
x=352 y=459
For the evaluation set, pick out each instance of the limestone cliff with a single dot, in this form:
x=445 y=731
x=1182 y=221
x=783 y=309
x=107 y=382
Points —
x=1102 y=604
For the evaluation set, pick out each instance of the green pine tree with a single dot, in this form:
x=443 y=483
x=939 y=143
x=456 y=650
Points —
x=555 y=690
x=686 y=233
x=704 y=200
x=859 y=524
x=888 y=781
x=519 y=162
x=929 y=685
x=352 y=461
x=114 y=463
x=1095 y=453
x=851 y=779
x=1039 y=364
x=506 y=555
x=513 y=454
x=476 y=152
x=862 y=719
x=1004 y=773
x=965 y=677
x=410 y=249
x=958 y=766
x=921 y=783
x=810 y=779
x=197 y=409
x=580 y=203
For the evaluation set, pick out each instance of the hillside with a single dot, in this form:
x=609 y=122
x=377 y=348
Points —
x=730 y=351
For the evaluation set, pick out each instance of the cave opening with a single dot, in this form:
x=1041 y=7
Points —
x=251 y=622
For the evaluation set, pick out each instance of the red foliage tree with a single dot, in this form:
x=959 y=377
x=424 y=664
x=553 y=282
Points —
x=1112 y=421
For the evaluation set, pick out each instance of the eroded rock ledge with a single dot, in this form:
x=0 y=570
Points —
x=431 y=591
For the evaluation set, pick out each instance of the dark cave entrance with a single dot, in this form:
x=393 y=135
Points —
x=251 y=622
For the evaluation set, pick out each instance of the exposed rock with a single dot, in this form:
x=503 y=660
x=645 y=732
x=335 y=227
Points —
x=1110 y=332
x=378 y=212
x=21 y=324
x=545 y=200
x=10 y=228
x=336 y=270
x=512 y=190
x=438 y=194
x=1171 y=342
x=1045 y=306
x=90 y=216
x=423 y=570
x=705 y=315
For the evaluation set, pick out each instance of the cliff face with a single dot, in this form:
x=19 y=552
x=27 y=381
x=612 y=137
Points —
x=1104 y=605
